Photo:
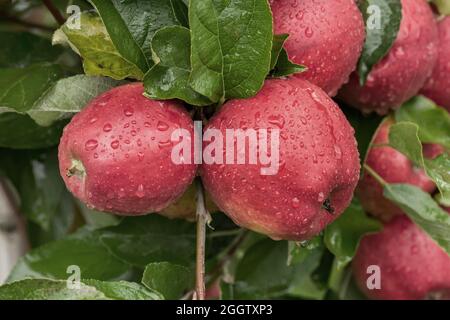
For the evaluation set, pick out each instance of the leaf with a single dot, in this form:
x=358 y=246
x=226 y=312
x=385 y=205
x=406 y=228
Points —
x=68 y=96
x=264 y=273
x=132 y=24
x=443 y=6
x=433 y=122
x=21 y=87
x=383 y=19
x=46 y=289
x=403 y=136
x=153 y=238
x=24 y=49
x=277 y=45
x=21 y=132
x=169 y=279
x=82 y=249
x=40 y=187
x=100 y=57
x=343 y=235
x=231 y=47
x=423 y=210
x=169 y=78
x=123 y=290
x=285 y=67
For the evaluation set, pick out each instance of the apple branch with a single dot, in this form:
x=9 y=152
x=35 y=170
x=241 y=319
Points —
x=202 y=220
x=54 y=11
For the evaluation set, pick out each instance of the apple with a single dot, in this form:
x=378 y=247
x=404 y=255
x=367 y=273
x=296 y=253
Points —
x=318 y=163
x=393 y=167
x=403 y=71
x=326 y=36
x=411 y=265
x=437 y=86
x=115 y=155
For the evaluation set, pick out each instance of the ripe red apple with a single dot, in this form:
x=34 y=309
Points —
x=115 y=155
x=326 y=36
x=393 y=167
x=403 y=71
x=437 y=87
x=411 y=264
x=318 y=162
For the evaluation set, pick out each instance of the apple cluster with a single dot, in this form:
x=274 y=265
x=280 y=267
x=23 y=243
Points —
x=115 y=155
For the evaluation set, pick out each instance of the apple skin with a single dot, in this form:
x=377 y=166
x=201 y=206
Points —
x=403 y=71
x=437 y=86
x=412 y=265
x=318 y=164
x=120 y=143
x=327 y=36
x=393 y=167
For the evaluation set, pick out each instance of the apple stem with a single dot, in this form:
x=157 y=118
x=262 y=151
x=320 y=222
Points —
x=375 y=175
x=202 y=220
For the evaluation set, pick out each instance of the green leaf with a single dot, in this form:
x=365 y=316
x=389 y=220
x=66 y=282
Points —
x=153 y=238
x=443 y=6
x=24 y=49
x=231 y=47
x=123 y=290
x=131 y=25
x=433 y=122
x=68 y=96
x=21 y=87
x=343 y=235
x=169 y=279
x=21 y=132
x=40 y=187
x=285 y=67
x=404 y=137
x=277 y=45
x=82 y=249
x=383 y=19
x=169 y=78
x=100 y=56
x=264 y=273
x=423 y=210
x=46 y=289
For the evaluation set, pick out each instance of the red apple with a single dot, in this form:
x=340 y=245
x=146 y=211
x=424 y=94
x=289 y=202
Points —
x=403 y=71
x=411 y=264
x=393 y=167
x=326 y=36
x=437 y=87
x=115 y=155
x=318 y=162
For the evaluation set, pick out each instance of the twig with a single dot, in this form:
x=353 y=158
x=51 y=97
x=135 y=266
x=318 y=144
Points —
x=54 y=11
x=375 y=175
x=28 y=24
x=202 y=219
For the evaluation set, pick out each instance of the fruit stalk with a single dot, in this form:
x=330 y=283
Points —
x=202 y=219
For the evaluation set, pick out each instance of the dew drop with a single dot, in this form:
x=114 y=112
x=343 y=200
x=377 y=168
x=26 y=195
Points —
x=115 y=144
x=140 y=191
x=107 y=127
x=91 y=144
x=295 y=202
x=128 y=112
x=162 y=126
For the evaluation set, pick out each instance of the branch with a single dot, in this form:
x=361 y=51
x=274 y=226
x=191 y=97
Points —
x=54 y=11
x=202 y=219
x=28 y=24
